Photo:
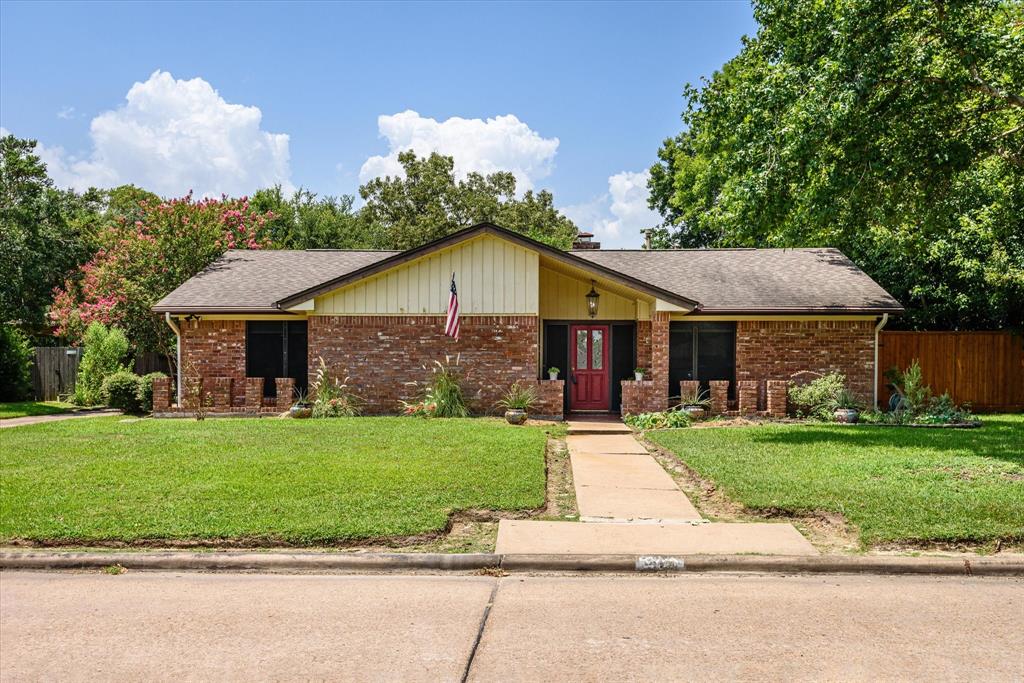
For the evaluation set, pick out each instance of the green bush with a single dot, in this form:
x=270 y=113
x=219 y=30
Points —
x=442 y=397
x=15 y=365
x=666 y=419
x=144 y=397
x=331 y=397
x=121 y=390
x=817 y=398
x=104 y=352
x=519 y=397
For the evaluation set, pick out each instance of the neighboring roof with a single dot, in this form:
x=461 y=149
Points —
x=244 y=281
x=746 y=281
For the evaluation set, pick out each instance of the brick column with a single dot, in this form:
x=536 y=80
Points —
x=220 y=387
x=747 y=390
x=659 y=358
x=285 y=392
x=254 y=393
x=777 y=397
x=719 y=396
x=689 y=387
x=161 y=394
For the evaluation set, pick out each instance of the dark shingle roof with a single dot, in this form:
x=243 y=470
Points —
x=253 y=281
x=755 y=280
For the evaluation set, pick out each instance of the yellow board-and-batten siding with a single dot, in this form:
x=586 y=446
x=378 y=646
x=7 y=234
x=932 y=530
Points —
x=493 y=276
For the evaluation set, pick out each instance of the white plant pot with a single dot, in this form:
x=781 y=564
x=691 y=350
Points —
x=552 y=375
x=639 y=376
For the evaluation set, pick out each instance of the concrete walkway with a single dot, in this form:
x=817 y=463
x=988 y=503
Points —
x=57 y=417
x=629 y=504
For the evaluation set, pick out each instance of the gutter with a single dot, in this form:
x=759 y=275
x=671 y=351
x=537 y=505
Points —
x=878 y=328
x=177 y=333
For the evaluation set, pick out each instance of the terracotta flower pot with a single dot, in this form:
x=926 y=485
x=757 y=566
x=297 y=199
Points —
x=846 y=415
x=515 y=417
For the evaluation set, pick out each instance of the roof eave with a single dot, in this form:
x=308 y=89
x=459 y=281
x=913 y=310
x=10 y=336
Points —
x=222 y=310
x=797 y=310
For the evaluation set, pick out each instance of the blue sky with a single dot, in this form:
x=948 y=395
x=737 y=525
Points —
x=572 y=97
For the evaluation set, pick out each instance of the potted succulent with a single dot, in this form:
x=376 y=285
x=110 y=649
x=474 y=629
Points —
x=845 y=407
x=553 y=372
x=517 y=402
x=639 y=374
x=695 y=404
x=302 y=408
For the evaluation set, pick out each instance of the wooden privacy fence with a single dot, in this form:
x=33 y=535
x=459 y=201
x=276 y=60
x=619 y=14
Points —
x=985 y=369
x=56 y=368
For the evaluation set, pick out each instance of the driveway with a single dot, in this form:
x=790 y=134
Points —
x=174 y=626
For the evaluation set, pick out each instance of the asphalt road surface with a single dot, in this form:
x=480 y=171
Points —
x=188 y=626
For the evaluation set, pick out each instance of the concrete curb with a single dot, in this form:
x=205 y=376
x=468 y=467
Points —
x=397 y=562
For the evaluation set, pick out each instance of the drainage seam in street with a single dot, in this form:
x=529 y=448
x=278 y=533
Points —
x=480 y=631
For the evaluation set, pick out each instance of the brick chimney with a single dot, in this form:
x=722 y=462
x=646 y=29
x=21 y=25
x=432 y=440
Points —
x=585 y=240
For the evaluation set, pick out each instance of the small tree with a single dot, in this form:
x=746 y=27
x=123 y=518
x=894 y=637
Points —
x=104 y=354
x=15 y=365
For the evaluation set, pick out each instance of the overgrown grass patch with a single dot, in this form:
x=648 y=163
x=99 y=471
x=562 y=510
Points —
x=894 y=484
x=260 y=480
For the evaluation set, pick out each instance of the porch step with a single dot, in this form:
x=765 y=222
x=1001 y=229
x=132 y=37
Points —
x=577 y=427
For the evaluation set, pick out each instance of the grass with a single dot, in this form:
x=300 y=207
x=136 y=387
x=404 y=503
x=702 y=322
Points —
x=260 y=480
x=32 y=408
x=896 y=485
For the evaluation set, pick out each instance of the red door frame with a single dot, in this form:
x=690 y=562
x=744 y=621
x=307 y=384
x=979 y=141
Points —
x=589 y=388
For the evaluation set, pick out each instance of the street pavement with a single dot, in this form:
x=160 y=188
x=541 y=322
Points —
x=192 y=626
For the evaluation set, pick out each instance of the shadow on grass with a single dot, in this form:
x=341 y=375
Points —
x=1000 y=437
x=29 y=409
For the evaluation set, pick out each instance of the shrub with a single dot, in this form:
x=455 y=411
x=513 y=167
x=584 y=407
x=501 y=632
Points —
x=145 y=393
x=333 y=398
x=104 y=351
x=121 y=390
x=519 y=397
x=442 y=397
x=816 y=399
x=15 y=365
x=667 y=419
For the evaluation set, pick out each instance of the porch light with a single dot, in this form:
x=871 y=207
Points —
x=193 y=321
x=592 y=297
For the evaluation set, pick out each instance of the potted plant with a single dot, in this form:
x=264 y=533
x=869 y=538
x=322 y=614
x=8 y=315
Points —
x=639 y=374
x=845 y=407
x=302 y=408
x=553 y=372
x=695 y=404
x=516 y=402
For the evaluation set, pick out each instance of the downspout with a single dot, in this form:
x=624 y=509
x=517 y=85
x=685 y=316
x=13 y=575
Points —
x=878 y=328
x=177 y=334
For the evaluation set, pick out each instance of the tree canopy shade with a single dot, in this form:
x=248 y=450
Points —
x=893 y=130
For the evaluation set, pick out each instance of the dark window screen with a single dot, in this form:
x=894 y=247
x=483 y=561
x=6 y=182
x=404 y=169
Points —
x=276 y=349
x=703 y=351
x=623 y=359
x=556 y=352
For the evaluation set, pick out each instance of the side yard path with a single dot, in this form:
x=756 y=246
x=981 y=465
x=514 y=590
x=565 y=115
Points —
x=863 y=487
x=629 y=504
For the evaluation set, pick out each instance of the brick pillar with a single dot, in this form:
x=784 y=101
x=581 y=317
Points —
x=659 y=358
x=285 y=392
x=747 y=390
x=161 y=394
x=689 y=387
x=643 y=344
x=719 y=396
x=220 y=387
x=253 y=393
x=777 y=397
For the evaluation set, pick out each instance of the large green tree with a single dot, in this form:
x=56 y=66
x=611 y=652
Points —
x=429 y=203
x=306 y=221
x=893 y=130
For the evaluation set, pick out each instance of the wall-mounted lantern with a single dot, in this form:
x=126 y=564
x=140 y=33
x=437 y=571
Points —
x=592 y=298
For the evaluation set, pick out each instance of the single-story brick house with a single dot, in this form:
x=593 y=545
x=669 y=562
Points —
x=738 y=322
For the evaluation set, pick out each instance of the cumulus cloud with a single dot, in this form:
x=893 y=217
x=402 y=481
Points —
x=502 y=143
x=617 y=216
x=171 y=136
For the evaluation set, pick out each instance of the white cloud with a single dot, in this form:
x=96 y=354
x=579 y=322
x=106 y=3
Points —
x=66 y=113
x=171 y=136
x=617 y=217
x=502 y=143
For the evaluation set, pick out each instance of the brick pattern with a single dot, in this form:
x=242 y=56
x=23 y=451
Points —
x=798 y=349
x=719 y=396
x=381 y=354
x=659 y=358
x=551 y=399
x=776 y=395
x=253 y=393
x=220 y=390
x=643 y=344
x=748 y=390
x=642 y=397
x=216 y=348
x=285 y=392
x=161 y=394
x=688 y=387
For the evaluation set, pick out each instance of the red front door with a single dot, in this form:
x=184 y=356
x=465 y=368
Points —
x=588 y=361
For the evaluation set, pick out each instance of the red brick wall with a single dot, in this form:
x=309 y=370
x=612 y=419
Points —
x=643 y=344
x=642 y=397
x=380 y=354
x=769 y=349
x=217 y=349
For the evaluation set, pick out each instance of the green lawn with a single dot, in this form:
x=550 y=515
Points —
x=894 y=484
x=303 y=482
x=32 y=408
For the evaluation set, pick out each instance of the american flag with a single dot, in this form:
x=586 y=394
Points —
x=451 y=325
